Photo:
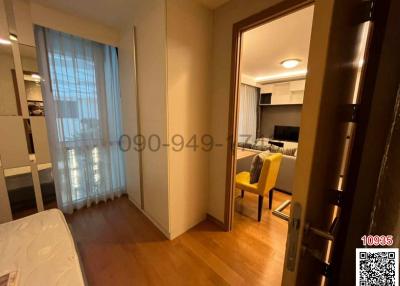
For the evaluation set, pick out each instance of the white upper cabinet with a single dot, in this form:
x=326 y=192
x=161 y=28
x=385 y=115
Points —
x=297 y=85
x=290 y=92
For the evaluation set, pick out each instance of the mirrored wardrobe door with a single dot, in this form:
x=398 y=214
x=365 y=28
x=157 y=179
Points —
x=9 y=97
x=26 y=181
x=32 y=80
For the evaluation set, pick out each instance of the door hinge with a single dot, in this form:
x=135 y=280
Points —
x=366 y=11
x=335 y=197
x=323 y=267
x=349 y=112
x=318 y=232
x=327 y=235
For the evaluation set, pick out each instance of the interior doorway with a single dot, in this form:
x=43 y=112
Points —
x=273 y=70
x=270 y=70
x=268 y=140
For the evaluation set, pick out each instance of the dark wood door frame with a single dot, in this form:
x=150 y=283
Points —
x=277 y=11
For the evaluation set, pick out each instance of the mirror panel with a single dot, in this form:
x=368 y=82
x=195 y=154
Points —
x=13 y=143
x=9 y=98
x=47 y=186
x=24 y=150
x=40 y=142
x=32 y=80
x=3 y=21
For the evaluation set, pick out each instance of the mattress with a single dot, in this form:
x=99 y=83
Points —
x=41 y=249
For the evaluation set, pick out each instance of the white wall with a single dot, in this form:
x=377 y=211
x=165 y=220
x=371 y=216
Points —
x=224 y=18
x=149 y=18
x=175 y=184
x=189 y=31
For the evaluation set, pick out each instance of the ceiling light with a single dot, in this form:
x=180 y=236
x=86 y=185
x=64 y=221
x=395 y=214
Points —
x=280 y=76
x=5 y=42
x=13 y=37
x=290 y=63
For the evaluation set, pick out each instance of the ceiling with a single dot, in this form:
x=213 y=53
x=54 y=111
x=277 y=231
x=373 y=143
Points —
x=265 y=47
x=213 y=4
x=115 y=13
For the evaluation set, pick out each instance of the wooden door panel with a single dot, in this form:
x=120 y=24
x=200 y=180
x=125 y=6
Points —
x=331 y=80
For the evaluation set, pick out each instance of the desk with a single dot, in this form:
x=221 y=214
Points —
x=243 y=153
x=244 y=157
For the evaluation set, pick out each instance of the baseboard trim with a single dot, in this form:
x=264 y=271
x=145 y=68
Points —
x=153 y=221
x=283 y=191
x=217 y=222
x=175 y=234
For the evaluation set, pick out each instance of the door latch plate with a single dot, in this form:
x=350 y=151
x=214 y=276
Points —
x=293 y=236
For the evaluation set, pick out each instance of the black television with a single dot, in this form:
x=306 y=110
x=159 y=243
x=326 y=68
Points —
x=286 y=133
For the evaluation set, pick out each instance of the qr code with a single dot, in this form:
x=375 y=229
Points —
x=377 y=267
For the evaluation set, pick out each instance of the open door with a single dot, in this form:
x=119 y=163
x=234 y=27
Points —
x=341 y=34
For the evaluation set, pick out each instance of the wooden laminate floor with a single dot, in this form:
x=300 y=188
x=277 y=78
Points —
x=118 y=245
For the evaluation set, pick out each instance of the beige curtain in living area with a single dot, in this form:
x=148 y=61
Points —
x=247 y=123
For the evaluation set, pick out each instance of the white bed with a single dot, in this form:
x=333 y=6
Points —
x=41 y=249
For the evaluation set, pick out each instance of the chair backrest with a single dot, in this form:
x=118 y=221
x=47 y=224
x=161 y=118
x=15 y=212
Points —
x=269 y=173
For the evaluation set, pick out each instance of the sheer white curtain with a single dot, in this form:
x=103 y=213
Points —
x=82 y=106
x=247 y=127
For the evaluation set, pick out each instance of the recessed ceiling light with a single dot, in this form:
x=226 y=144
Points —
x=290 y=63
x=5 y=42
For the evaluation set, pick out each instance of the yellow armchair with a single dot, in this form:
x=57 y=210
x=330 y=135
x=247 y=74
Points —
x=266 y=182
